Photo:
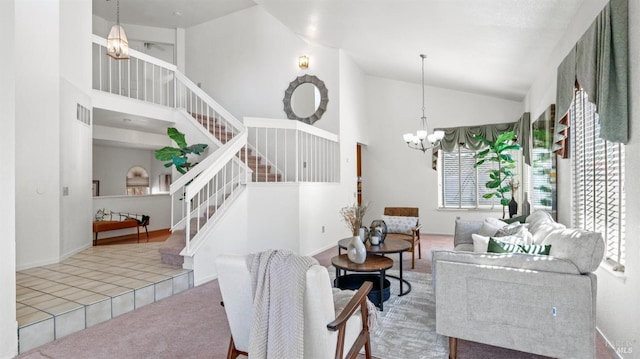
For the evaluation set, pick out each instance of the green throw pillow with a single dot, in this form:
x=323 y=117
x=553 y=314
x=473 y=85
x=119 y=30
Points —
x=496 y=246
x=535 y=249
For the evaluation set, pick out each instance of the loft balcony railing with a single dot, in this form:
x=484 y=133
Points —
x=299 y=152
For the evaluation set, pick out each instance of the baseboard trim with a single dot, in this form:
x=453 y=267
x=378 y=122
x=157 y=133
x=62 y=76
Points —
x=610 y=347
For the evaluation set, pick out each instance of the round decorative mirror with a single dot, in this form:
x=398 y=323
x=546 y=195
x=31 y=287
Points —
x=306 y=99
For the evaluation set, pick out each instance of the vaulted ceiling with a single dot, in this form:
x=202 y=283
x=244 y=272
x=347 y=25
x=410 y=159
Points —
x=490 y=47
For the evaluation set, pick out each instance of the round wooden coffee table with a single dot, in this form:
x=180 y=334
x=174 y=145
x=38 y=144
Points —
x=389 y=246
x=373 y=263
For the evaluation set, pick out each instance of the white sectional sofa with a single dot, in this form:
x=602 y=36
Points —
x=533 y=303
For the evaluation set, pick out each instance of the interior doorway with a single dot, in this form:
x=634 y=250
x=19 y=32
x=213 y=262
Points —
x=359 y=172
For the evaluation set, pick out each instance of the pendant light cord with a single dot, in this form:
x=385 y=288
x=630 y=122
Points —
x=424 y=118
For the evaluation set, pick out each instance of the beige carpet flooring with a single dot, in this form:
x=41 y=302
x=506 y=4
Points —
x=192 y=324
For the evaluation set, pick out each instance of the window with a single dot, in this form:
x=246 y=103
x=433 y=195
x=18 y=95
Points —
x=137 y=181
x=598 y=180
x=461 y=185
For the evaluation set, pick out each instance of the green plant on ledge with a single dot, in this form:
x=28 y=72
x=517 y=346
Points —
x=179 y=156
x=498 y=152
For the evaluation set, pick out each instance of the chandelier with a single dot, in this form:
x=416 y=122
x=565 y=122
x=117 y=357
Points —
x=117 y=44
x=417 y=141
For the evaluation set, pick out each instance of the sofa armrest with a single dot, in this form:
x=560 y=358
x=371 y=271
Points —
x=519 y=261
x=463 y=231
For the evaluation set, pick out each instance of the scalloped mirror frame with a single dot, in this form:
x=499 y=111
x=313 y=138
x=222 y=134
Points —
x=324 y=98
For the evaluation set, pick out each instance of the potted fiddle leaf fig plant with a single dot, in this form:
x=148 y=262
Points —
x=179 y=156
x=500 y=178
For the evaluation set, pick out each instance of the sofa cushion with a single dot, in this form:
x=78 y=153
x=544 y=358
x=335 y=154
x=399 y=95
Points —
x=490 y=226
x=400 y=224
x=543 y=230
x=538 y=218
x=585 y=249
x=463 y=231
x=464 y=247
x=521 y=261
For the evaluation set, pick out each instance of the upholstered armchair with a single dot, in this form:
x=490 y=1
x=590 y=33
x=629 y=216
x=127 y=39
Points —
x=326 y=334
x=409 y=233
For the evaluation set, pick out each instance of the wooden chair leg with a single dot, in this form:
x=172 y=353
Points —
x=419 y=249
x=233 y=353
x=413 y=256
x=453 y=347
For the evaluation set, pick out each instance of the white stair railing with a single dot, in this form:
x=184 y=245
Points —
x=217 y=178
x=299 y=152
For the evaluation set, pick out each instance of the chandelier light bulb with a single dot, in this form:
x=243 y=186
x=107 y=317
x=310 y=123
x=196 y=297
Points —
x=416 y=141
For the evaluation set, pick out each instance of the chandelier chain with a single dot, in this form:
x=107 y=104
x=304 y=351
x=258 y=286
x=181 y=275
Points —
x=417 y=141
x=423 y=108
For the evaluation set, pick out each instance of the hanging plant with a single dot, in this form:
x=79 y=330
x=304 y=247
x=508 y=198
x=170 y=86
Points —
x=179 y=156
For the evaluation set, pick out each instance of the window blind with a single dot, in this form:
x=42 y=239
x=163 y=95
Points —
x=598 y=180
x=463 y=186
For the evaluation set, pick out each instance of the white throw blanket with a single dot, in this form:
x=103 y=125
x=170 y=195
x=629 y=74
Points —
x=278 y=283
x=341 y=298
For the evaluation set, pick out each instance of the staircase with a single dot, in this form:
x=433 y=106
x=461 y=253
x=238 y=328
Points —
x=282 y=150
x=261 y=172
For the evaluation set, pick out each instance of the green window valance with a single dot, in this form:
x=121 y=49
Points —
x=599 y=64
x=464 y=136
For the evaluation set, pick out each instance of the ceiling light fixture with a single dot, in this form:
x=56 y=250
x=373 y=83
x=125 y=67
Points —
x=416 y=141
x=303 y=61
x=117 y=44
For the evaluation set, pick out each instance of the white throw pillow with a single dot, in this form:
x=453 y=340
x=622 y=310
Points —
x=516 y=229
x=510 y=239
x=400 y=224
x=490 y=226
x=480 y=243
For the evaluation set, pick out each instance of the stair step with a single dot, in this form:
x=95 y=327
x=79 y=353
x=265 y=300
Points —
x=266 y=177
x=171 y=248
x=261 y=169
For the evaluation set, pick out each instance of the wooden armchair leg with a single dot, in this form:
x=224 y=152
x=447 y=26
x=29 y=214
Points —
x=233 y=353
x=419 y=249
x=453 y=347
x=413 y=257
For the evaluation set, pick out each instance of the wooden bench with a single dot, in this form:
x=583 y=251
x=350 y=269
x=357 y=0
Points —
x=104 y=226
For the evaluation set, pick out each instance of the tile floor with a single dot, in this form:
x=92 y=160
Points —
x=91 y=287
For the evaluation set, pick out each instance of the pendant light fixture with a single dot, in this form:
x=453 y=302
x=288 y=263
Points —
x=117 y=44
x=417 y=141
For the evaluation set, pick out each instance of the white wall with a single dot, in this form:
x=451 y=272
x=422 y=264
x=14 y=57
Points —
x=111 y=164
x=157 y=207
x=247 y=59
x=53 y=149
x=618 y=317
x=8 y=323
x=75 y=176
x=230 y=236
x=393 y=174
x=38 y=167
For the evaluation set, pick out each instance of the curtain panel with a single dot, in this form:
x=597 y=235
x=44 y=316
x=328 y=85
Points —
x=599 y=64
x=464 y=136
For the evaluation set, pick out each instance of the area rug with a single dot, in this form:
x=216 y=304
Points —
x=407 y=326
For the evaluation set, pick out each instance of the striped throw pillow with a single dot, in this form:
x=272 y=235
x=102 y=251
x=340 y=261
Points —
x=535 y=249
x=496 y=246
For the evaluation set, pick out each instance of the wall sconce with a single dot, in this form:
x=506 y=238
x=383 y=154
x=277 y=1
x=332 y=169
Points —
x=303 y=62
